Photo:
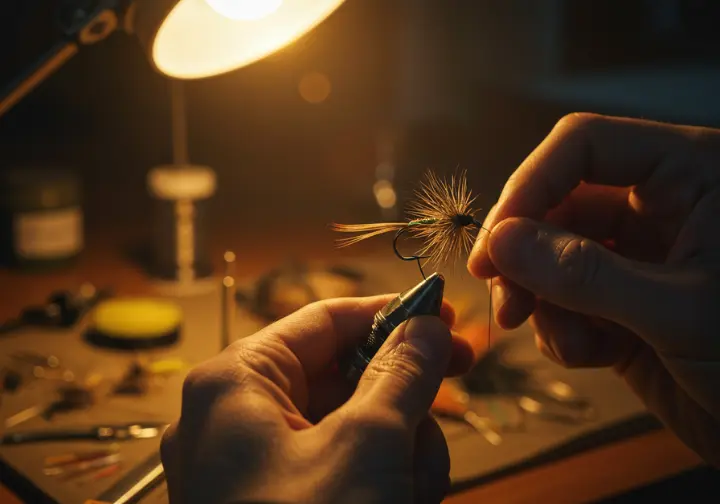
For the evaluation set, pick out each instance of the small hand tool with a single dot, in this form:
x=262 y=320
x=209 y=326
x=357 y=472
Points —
x=136 y=484
x=96 y=433
x=72 y=397
x=83 y=467
x=423 y=299
x=62 y=310
x=67 y=459
x=555 y=411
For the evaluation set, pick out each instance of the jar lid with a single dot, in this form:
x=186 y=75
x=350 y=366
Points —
x=38 y=188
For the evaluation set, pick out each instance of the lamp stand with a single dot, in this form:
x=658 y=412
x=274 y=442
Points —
x=80 y=27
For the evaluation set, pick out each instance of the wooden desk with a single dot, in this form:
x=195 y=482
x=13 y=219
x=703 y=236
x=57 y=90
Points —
x=586 y=477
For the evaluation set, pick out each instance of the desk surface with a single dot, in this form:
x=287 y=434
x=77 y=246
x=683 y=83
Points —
x=585 y=477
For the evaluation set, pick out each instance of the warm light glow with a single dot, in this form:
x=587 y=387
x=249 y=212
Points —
x=245 y=9
x=197 y=41
x=385 y=194
x=314 y=87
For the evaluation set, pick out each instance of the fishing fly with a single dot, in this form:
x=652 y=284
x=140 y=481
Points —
x=441 y=216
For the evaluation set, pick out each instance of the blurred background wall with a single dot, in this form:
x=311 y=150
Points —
x=414 y=84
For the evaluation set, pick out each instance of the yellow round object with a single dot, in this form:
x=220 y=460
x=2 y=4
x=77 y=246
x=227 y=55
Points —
x=167 y=366
x=137 y=318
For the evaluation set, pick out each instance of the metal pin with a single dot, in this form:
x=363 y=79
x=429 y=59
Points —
x=228 y=300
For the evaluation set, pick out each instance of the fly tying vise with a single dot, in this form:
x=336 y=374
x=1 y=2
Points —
x=441 y=216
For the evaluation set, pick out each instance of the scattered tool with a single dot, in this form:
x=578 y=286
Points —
x=535 y=393
x=62 y=310
x=71 y=397
x=137 y=484
x=556 y=411
x=25 y=367
x=12 y=380
x=104 y=472
x=140 y=376
x=84 y=467
x=126 y=432
x=52 y=463
x=452 y=402
x=423 y=299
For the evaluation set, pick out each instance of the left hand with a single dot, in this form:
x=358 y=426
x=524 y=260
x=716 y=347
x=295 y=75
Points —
x=271 y=420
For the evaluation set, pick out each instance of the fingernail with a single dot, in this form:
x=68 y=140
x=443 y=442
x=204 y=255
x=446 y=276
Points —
x=546 y=350
x=479 y=246
x=429 y=335
x=500 y=296
x=476 y=262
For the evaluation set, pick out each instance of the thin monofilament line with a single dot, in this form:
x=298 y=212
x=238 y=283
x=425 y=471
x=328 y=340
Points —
x=490 y=315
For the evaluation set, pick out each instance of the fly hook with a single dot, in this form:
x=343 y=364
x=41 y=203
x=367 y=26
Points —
x=417 y=258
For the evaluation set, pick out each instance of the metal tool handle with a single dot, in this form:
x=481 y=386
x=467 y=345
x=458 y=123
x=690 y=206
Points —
x=136 y=484
x=354 y=365
x=40 y=436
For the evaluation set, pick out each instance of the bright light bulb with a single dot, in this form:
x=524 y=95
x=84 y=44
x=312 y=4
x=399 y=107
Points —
x=201 y=38
x=246 y=10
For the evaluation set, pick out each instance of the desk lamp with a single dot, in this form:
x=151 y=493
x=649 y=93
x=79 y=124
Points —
x=184 y=40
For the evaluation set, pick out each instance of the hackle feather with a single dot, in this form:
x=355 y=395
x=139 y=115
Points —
x=449 y=204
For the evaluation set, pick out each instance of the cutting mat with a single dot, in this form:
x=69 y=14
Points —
x=473 y=459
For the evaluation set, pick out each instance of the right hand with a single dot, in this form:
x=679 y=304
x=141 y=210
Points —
x=646 y=301
x=271 y=419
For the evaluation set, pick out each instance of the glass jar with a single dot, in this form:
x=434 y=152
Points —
x=41 y=218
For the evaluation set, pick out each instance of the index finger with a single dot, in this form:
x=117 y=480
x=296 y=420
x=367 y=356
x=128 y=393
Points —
x=591 y=148
x=319 y=332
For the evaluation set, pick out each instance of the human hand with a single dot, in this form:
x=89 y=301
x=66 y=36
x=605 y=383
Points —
x=271 y=420
x=607 y=234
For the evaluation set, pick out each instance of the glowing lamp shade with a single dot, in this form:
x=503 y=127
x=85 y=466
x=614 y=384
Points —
x=193 y=39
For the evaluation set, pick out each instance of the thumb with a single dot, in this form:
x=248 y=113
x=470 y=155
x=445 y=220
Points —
x=579 y=274
x=404 y=376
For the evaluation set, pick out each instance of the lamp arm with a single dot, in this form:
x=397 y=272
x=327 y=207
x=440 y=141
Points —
x=86 y=27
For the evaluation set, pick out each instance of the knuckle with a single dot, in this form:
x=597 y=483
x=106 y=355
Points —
x=368 y=426
x=196 y=379
x=579 y=262
x=204 y=382
x=403 y=364
x=319 y=312
x=262 y=355
x=578 y=122
x=168 y=441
